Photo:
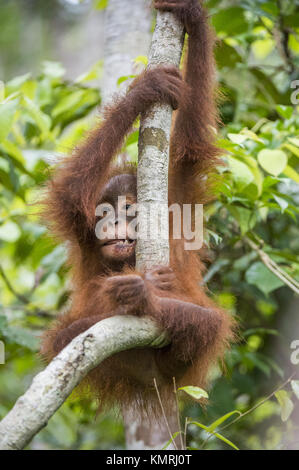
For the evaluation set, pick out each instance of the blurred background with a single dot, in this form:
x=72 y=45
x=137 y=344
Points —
x=60 y=60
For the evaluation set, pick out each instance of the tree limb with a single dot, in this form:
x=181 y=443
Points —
x=274 y=267
x=152 y=184
x=53 y=385
x=153 y=160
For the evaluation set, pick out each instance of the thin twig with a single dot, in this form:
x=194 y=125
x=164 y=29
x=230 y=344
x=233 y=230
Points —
x=178 y=413
x=274 y=268
x=37 y=280
x=21 y=297
x=260 y=403
x=185 y=433
x=283 y=43
x=164 y=415
x=284 y=273
x=281 y=37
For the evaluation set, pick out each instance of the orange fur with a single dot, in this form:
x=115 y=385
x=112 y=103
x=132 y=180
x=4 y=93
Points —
x=200 y=331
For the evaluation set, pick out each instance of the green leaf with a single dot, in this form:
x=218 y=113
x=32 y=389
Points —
x=240 y=171
x=258 y=176
x=269 y=89
x=15 y=155
x=285 y=111
x=16 y=83
x=13 y=150
x=294 y=141
x=216 y=434
x=256 y=360
x=230 y=21
x=216 y=424
x=174 y=435
x=245 y=217
x=251 y=135
x=226 y=55
x=100 y=4
x=74 y=104
x=7 y=114
x=93 y=74
x=133 y=137
x=281 y=202
x=72 y=134
x=54 y=260
x=286 y=404
x=52 y=69
x=195 y=392
x=3 y=322
x=44 y=92
x=292 y=148
x=291 y=173
x=295 y=387
x=141 y=59
x=21 y=336
x=260 y=331
x=5 y=180
x=124 y=78
x=263 y=47
x=42 y=120
x=243 y=262
x=68 y=102
x=273 y=161
x=237 y=138
x=217 y=238
x=10 y=231
x=261 y=277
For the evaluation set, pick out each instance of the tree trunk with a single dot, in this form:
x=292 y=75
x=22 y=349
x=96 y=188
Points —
x=153 y=159
x=152 y=195
x=127 y=35
x=127 y=27
x=145 y=434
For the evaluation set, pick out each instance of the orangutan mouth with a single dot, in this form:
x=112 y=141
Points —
x=121 y=243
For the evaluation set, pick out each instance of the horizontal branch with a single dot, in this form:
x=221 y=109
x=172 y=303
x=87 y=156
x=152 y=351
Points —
x=53 y=385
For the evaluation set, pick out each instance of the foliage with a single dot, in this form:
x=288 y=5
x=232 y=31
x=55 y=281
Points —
x=252 y=232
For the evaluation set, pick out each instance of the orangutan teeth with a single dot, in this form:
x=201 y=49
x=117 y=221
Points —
x=125 y=242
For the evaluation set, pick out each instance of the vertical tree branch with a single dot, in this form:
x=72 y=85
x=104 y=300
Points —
x=153 y=160
x=152 y=192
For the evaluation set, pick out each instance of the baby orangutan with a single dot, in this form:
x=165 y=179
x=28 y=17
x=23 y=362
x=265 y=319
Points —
x=104 y=277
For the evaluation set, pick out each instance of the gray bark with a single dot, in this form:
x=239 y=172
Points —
x=53 y=385
x=148 y=433
x=152 y=175
x=127 y=35
x=152 y=193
